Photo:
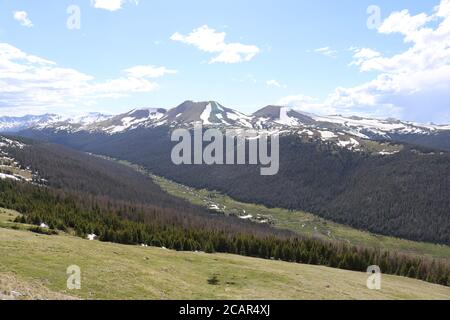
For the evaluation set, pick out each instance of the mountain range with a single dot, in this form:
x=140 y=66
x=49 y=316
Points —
x=16 y=124
x=345 y=131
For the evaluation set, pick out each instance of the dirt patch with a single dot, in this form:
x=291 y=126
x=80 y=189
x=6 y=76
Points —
x=11 y=288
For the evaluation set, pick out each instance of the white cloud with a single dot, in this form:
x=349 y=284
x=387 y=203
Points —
x=326 y=51
x=22 y=17
x=34 y=83
x=209 y=40
x=365 y=53
x=413 y=84
x=402 y=22
x=362 y=55
x=275 y=83
x=148 y=71
x=306 y=104
x=111 y=5
x=296 y=100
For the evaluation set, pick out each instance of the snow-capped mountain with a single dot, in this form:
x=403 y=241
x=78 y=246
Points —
x=80 y=122
x=15 y=124
x=127 y=121
x=90 y=118
x=277 y=116
x=347 y=132
x=210 y=113
x=351 y=132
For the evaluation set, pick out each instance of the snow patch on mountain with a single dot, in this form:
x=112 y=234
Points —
x=89 y=118
x=327 y=135
x=350 y=143
x=4 y=176
x=285 y=119
x=240 y=118
x=307 y=132
x=5 y=142
x=382 y=128
x=132 y=120
x=388 y=153
x=15 y=124
x=9 y=167
x=206 y=115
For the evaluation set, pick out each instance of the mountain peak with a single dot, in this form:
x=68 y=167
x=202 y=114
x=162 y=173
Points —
x=15 y=124
x=210 y=113
x=187 y=112
x=286 y=116
x=270 y=111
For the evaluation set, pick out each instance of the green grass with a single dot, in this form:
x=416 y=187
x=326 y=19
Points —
x=35 y=266
x=304 y=223
x=7 y=218
x=376 y=147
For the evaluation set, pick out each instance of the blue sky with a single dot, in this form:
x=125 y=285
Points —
x=319 y=56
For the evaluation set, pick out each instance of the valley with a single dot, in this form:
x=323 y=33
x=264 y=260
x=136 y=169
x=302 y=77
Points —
x=91 y=197
x=302 y=223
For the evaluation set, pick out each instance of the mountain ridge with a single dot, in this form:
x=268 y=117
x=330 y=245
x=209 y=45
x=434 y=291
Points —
x=345 y=131
x=190 y=111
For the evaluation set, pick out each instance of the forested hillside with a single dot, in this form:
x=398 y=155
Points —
x=405 y=194
x=134 y=225
x=439 y=140
x=92 y=179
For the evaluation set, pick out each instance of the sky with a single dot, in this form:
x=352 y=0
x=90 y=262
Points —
x=376 y=58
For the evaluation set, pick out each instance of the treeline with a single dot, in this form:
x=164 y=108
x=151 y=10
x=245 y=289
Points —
x=439 y=140
x=126 y=223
